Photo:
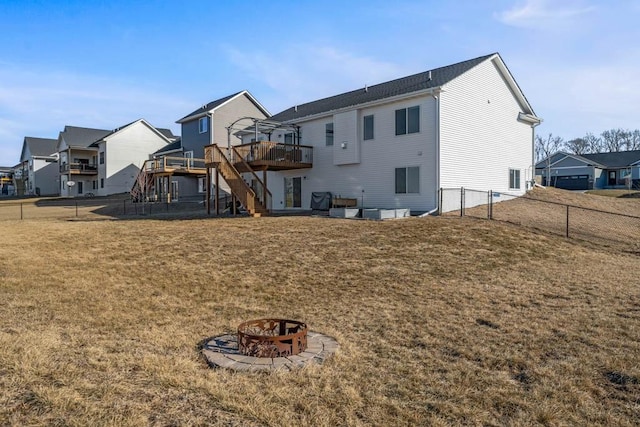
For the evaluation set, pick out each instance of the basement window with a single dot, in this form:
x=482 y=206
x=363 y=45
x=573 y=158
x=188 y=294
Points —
x=514 y=179
x=408 y=180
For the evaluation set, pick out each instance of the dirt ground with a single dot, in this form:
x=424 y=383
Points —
x=441 y=321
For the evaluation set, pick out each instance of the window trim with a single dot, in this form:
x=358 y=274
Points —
x=403 y=123
x=514 y=179
x=407 y=185
x=329 y=134
x=365 y=136
x=205 y=128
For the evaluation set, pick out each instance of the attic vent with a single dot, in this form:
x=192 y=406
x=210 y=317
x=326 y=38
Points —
x=429 y=76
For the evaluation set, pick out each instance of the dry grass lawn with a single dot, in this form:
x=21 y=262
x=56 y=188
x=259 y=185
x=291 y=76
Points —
x=441 y=321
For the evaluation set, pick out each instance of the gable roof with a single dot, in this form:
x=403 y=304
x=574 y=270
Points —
x=82 y=137
x=121 y=128
x=618 y=159
x=561 y=155
x=431 y=79
x=173 y=146
x=211 y=106
x=167 y=133
x=43 y=147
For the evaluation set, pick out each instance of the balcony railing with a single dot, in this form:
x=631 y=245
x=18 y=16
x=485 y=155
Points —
x=79 y=168
x=175 y=164
x=268 y=155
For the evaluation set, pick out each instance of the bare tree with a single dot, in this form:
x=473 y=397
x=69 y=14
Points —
x=545 y=148
x=593 y=143
x=577 y=146
x=615 y=140
x=634 y=140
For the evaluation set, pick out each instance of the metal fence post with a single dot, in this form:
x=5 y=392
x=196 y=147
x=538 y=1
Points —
x=76 y=208
x=461 y=201
x=440 y=204
x=567 y=234
x=21 y=215
x=489 y=204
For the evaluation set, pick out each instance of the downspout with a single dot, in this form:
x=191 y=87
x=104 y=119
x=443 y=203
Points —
x=437 y=202
x=533 y=155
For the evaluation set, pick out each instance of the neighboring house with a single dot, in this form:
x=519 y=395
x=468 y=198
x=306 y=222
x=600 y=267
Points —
x=177 y=171
x=103 y=162
x=591 y=171
x=393 y=145
x=37 y=172
x=208 y=124
x=123 y=152
x=79 y=160
x=7 y=187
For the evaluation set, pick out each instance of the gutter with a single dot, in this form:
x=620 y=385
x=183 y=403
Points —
x=381 y=101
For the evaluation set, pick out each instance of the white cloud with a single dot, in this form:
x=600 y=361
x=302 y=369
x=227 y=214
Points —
x=544 y=14
x=304 y=72
x=40 y=103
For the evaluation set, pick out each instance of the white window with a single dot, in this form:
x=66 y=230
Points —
x=202 y=185
x=368 y=127
x=203 y=124
x=514 y=179
x=408 y=120
x=408 y=180
x=328 y=134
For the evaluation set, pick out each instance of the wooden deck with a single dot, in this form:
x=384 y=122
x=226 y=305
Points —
x=176 y=166
x=268 y=156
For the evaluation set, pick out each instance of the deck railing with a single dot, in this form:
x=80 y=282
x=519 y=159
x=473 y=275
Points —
x=275 y=152
x=79 y=168
x=185 y=164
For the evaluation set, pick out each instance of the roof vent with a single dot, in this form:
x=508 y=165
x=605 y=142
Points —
x=429 y=76
x=366 y=88
x=295 y=108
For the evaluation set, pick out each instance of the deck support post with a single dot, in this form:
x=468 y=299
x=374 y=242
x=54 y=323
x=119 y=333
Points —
x=208 y=192
x=217 y=201
x=264 y=189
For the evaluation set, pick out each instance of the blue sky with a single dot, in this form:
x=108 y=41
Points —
x=103 y=64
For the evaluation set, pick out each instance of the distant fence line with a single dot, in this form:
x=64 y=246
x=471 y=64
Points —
x=556 y=218
x=96 y=207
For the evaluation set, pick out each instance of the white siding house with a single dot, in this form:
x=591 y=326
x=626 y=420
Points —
x=38 y=175
x=122 y=153
x=393 y=145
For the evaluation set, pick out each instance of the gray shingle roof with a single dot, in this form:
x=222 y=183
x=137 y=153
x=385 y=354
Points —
x=210 y=106
x=82 y=137
x=167 y=133
x=97 y=141
x=401 y=86
x=175 y=145
x=615 y=160
x=41 y=146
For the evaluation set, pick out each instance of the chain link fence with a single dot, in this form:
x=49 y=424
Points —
x=570 y=221
x=93 y=208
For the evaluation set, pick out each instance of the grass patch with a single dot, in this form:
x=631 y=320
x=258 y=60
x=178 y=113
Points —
x=615 y=193
x=441 y=321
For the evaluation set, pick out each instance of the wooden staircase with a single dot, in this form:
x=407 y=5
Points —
x=230 y=167
x=142 y=184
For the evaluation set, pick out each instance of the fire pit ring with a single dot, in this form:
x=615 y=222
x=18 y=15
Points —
x=272 y=337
